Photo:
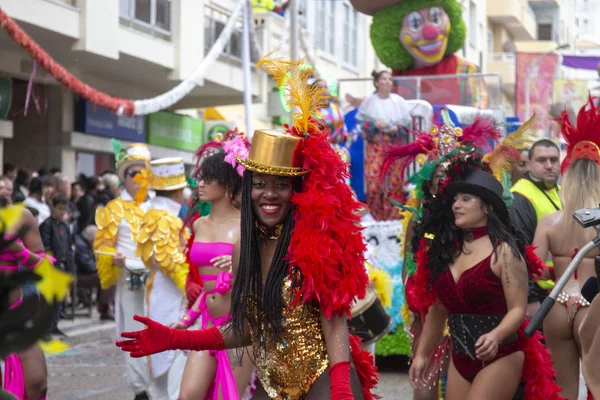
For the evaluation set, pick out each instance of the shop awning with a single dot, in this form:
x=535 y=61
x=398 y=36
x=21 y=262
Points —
x=237 y=114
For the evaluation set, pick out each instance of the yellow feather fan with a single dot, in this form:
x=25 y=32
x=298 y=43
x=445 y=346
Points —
x=521 y=139
x=304 y=98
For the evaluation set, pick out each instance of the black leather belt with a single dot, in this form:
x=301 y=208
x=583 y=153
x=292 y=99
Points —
x=465 y=330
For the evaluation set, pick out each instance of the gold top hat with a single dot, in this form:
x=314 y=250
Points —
x=273 y=153
x=370 y=7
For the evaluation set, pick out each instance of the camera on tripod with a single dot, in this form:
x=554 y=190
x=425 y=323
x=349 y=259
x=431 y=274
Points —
x=587 y=217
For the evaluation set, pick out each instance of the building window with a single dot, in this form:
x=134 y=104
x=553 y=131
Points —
x=544 y=31
x=214 y=23
x=331 y=27
x=354 y=45
x=473 y=24
x=325 y=38
x=149 y=16
x=321 y=25
x=350 y=35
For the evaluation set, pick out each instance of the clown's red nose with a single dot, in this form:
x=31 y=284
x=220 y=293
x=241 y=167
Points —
x=430 y=32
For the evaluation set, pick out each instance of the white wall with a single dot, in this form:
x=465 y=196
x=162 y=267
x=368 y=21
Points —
x=476 y=46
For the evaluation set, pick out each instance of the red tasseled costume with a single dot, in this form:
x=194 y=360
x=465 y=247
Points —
x=587 y=128
x=538 y=372
x=327 y=244
x=365 y=368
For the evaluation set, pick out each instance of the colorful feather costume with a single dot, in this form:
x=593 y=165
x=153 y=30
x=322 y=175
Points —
x=430 y=149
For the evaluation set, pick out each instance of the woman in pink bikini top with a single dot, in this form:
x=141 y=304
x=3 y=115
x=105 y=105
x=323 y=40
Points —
x=208 y=374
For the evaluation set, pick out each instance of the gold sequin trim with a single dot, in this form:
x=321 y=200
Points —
x=160 y=182
x=270 y=170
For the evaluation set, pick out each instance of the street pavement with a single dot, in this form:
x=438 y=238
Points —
x=93 y=368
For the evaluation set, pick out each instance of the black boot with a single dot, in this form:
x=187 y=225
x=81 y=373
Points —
x=141 y=396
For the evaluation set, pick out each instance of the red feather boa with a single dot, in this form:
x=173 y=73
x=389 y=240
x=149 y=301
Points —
x=327 y=244
x=538 y=371
x=419 y=296
x=365 y=368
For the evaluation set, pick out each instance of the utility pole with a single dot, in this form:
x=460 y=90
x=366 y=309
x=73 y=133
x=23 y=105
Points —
x=246 y=68
x=295 y=28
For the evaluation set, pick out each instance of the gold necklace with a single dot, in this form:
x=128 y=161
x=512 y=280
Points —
x=269 y=233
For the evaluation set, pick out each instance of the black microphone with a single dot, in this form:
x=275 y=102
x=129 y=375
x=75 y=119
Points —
x=590 y=289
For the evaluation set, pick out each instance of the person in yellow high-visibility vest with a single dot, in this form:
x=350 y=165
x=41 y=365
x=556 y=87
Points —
x=262 y=6
x=536 y=195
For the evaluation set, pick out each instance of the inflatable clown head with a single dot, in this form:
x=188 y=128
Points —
x=409 y=34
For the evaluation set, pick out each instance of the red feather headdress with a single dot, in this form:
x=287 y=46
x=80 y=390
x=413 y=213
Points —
x=583 y=140
x=434 y=146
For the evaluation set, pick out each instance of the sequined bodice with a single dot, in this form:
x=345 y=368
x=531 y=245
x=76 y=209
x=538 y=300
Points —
x=288 y=369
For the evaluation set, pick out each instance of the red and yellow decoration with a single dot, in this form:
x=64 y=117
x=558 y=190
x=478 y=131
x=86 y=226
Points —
x=583 y=139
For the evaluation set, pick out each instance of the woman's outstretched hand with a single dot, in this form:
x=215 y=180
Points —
x=156 y=338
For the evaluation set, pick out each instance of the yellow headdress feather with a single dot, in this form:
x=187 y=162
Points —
x=521 y=139
x=305 y=99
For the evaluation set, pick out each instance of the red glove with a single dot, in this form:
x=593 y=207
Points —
x=192 y=291
x=339 y=374
x=157 y=338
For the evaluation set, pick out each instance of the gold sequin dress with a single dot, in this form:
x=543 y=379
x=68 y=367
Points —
x=288 y=369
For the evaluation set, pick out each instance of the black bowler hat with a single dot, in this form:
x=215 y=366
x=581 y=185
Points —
x=483 y=185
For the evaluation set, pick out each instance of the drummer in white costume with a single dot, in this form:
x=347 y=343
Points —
x=117 y=223
x=160 y=240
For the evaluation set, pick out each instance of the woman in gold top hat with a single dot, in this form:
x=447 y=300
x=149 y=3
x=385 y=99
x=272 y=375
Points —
x=298 y=266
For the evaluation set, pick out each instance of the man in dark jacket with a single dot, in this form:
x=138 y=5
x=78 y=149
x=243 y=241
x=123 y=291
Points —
x=535 y=196
x=87 y=274
x=57 y=240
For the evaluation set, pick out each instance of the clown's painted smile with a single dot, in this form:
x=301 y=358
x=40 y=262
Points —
x=425 y=35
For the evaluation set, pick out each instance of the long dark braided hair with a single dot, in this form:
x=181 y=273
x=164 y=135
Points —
x=251 y=304
x=438 y=219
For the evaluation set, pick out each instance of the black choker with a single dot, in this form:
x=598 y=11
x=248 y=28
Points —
x=269 y=233
x=475 y=233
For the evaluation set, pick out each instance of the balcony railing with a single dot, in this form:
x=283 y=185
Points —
x=471 y=90
x=502 y=57
x=149 y=16
x=215 y=19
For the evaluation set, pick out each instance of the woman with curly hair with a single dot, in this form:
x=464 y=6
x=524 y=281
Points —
x=214 y=375
x=472 y=273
